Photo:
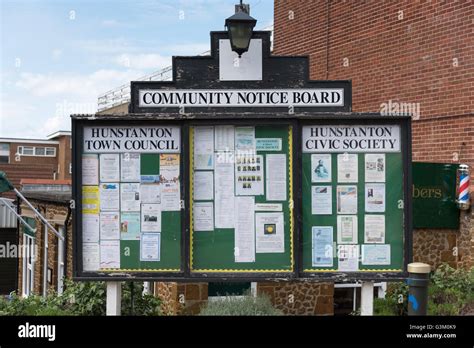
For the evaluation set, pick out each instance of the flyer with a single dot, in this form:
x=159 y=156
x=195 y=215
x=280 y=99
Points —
x=249 y=175
x=322 y=251
x=348 y=258
x=375 y=167
x=203 y=148
x=321 y=170
x=110 y=254
x=347 y=229
x=150 y=193
x=270 y=233
x=321 y=200
x=244 y=236
x=375 y=198
x=109 y=197
x=130 y=197
x=150 y=245
x=374 y=229
x=276 y=177
x=90 y=169
x=203 y=186
x=90 y=228
x=203 y=216
x=224 y=191
x=109 y=167
x=170 y=196
x=346 y=199
x=245 y=139
x=90 y=200
x=151 y=218
x=347 y=167
x=90 y=257
x=268 y=144
x=130 y=226
x=224 y=138
x=130 y=167
x=169 y=167
x=376 y=254
x=109 y=225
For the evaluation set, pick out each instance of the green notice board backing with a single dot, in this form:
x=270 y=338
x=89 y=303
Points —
x=258 y=161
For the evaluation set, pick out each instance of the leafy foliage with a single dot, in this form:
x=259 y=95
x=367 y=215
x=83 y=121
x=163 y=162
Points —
x=240 y=306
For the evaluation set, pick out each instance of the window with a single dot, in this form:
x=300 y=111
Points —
x=40 y=151
x=4 y=153
x=51 y=151
x=37 y=151
x=26 y=150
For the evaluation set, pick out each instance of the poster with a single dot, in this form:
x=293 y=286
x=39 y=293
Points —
x=90 y=228
x=374 y=229
x=224 y=191
x=90 y=257
x=109 y=167
x=322 y=246
x=244 y=236
x=375 y=167
x=130 y=197
x=276 y=177
x=203 y=148
x=170 y=196
x=347 y=167
x=375 y=198
x=150 y=193
x=90 y=169
x=249 y=175
x=169 y=167
x=130 y=167
x=130 y=226
x=203 y=186
x=376 y=254
x=347 y=229
x=348 y=258
x=109 y=197
x=90 y=200
x=270 y=234
x=150 y=245
x=151 y=218
x=321 y=200
x=110 y=254
x=245 y=139
x=321 y=170
x=224 y=138
x=203 y=216
x=109 y=225
x=346 y=199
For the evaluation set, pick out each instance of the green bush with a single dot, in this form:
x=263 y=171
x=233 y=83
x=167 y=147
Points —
x=240 y=306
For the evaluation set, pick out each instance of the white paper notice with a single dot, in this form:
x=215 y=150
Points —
x=150 y=245
x=268 y=207
x=375 y=167
x=203 y=215
x=249 y=175
x=170 y=196
x=203 y=147
x=321 y=200
x=151 y=218
x=110 y=254
x=224 y=191
x=347 y=229
x=90 y=169
x=150 y=193
x=375 y=198
x=130 y=197
x=109 y=225
x=374 y=229
x=224 y=138
x=322 y=255
x=245 y=139
x=376 y=254
x=276 y=177
x=109 y=197
x=130 y=167
x=321 y=168
x=203 y=186
x=169 y=167
x=109 y=167
x=90 y=228
x=347 y=199
x=244 y=230
x=90 y=257
x=270 y=233
x=348 y=258
x=347 y=168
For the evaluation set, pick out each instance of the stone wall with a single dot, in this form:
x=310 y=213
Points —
x=181 y=298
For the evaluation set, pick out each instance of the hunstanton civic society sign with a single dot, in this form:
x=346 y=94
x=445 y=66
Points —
x=243 y=98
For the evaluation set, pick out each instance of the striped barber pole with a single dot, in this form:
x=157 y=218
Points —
x=463 y=196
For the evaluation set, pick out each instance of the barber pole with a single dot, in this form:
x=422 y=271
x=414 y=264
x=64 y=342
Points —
x=463 y=192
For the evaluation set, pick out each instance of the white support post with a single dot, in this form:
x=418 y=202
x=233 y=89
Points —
x=367 y=298
x=382 y=290
x=253 y=289
x=114 y=298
